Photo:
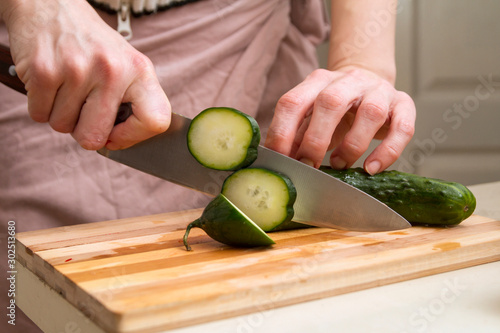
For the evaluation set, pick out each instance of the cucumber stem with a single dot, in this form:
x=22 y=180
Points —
x=195 y=224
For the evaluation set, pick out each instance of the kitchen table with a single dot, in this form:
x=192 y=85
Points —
x=460 y=300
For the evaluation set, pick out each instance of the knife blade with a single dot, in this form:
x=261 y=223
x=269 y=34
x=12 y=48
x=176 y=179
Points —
x=322 y=200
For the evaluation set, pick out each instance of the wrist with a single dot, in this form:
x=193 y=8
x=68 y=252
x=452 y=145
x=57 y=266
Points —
x=353 y=44
x=386 y=71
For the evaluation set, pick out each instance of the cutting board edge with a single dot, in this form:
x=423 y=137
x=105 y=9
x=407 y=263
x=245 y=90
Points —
x=89 y=307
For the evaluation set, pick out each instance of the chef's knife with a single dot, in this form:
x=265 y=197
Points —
x=322 y=200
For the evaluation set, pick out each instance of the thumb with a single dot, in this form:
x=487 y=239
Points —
x=151 y=113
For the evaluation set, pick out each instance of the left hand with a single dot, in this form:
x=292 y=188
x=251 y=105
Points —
x=343 y=109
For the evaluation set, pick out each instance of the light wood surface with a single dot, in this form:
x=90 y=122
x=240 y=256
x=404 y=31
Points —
x=134 y=275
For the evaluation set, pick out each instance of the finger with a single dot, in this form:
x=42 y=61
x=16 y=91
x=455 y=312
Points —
x=300 y=135
x=151 y=114
x=70 y=98
x=291 y=110
x=371 y=115
x=42 y=83
x=96 y=119
x=342 y=129
x=331 y=104
x=400 y=132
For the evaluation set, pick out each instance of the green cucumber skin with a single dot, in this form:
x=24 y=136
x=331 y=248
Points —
x=252 y=149
x=225 y=224
x=420 y=200
x=292 y=196
x=287 y=222
x=254 y=144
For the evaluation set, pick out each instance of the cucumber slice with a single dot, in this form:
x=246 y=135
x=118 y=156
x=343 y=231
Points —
x=223 y=138
x=265 y=196
x=225 y=223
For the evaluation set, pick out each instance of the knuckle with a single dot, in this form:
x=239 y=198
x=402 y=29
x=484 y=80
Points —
x=278 y=133
x=315 y=143
x=289 y=103
x=331 y=101
x=278 y=138
x=404 y=96
x=41 y=74
x=406 y=101
x=374 y=112
x=40 y=68
x=386 y=85
x=150 y=119
x=392 y=151
x=406 y=128
x=142 y=62
x=319 y=74
x=352 y=145
x=76 y=69
x=110 y=67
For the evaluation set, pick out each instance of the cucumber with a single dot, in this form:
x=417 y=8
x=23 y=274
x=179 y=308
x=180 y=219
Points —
x=265 y=196
x=223 y=138
x=225 y=223
x=420 y=200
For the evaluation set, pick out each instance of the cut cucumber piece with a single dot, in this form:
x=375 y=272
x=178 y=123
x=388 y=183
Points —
x=265 y=196
x=225 y=223
x=223 y=138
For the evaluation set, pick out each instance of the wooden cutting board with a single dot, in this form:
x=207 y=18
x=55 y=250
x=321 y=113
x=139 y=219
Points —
x=134 y=275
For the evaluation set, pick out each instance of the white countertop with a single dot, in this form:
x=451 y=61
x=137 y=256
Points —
x=466 y=300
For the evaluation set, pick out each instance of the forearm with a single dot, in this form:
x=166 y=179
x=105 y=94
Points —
x=363 y=36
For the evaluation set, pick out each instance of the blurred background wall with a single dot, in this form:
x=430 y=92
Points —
x=448 y=59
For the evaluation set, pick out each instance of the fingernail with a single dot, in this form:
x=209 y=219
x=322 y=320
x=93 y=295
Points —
x=338 y=163
x=307 y=161
x=373 y=167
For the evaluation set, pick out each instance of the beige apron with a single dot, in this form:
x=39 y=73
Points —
x=240 y=54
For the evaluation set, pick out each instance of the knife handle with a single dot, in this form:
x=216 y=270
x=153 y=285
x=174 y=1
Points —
x=8 y=76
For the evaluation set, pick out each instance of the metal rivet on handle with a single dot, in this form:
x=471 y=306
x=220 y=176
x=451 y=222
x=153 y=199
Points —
x=12 y=70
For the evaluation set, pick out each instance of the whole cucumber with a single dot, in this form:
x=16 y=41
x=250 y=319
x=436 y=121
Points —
x=420 y=200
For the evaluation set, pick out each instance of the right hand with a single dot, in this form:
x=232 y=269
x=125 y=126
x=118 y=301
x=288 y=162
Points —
x=77 y=70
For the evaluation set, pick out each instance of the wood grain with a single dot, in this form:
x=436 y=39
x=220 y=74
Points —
x=134 y=275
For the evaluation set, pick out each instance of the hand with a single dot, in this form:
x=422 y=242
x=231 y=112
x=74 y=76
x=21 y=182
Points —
x=343 y=109
x=77 y=71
